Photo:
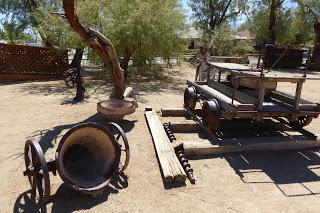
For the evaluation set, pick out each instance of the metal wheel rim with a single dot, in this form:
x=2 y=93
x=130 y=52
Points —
x=190 y=99
x=34 y=157
x=211 y=114
x=126 y=149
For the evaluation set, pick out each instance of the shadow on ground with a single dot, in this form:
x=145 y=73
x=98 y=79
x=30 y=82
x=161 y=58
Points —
x=294 y=173
x=66 y=200
x=98 y=82
x=49 y=137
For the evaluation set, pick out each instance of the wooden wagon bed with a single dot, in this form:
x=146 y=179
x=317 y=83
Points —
x=236 y=91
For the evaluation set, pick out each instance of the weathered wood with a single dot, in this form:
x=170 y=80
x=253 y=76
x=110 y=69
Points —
x=238 y=95
x=287 y=98
x=184 y=126
x=297 y=97
x=169 y=163
x=176 y=112
x=173 y=112
x=101 y=45
x=250 y=145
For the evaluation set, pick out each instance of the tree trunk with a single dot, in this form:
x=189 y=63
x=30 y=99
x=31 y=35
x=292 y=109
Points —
x=101 y=45
x=316 y=48
x=76 y=64
x=77 y=58
x=125 y=62
x=314 y=62
x=272 y=20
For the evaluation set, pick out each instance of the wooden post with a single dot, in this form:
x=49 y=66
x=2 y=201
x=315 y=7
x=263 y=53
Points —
x=262 y=92
x=255 y=144
x=297 y=96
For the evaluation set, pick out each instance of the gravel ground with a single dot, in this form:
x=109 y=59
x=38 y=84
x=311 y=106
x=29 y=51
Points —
x=256 y=182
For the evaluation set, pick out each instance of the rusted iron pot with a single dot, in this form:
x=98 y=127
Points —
x=88 y=158
x=115 y=110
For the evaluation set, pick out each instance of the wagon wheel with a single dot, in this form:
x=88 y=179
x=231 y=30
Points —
x=37 y=171
x=70 y=78
x=302 y=121
x=190 y=98
x=211 y=114
x=122 y=140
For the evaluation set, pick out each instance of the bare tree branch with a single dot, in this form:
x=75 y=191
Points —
x=101 y=45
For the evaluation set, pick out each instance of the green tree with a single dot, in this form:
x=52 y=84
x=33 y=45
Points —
x=14 y=32
x=139 y=29
x=276 y=25
x=19 y=13
x=221 y=43
x=210 y=14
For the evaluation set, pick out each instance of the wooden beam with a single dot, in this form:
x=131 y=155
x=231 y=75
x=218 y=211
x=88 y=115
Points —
x=297 y=97
x=169 y=163
x=251 y=145
x=238 y=95
x=185 y=126
x=176 y=112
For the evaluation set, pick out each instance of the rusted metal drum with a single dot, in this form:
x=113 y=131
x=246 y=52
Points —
x=88 y=157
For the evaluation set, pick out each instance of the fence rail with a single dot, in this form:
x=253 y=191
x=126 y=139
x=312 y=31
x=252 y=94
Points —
x=19 y=62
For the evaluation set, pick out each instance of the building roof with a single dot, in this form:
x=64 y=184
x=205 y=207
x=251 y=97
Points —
x=190 y=32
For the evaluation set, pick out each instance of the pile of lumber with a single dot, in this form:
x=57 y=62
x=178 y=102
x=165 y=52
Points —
x=169 y=163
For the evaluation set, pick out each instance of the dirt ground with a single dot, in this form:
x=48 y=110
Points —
x=256 y=182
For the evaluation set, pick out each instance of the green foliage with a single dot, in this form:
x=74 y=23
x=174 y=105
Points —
x=210 y=14
x=259 y=22
x=221 y=43
x=293 y=26
x=147 y=29
x=15 y=32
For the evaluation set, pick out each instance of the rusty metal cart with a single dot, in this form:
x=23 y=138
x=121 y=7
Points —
x=245 y=93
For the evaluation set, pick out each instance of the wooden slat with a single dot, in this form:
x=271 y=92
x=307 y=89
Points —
x=169 y=163
x=176 y=112
x=287 y=98
x=184 y=126
x=238 y=95
x=251 y=145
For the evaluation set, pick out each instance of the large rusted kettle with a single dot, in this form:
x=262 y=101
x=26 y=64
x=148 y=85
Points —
x=88 y=157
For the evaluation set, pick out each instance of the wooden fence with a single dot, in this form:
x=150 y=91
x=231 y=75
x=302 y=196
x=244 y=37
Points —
x=19 y=62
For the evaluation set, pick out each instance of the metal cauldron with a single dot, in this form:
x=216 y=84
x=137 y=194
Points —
x=88 y=157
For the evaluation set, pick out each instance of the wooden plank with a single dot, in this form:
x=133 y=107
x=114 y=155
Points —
x=238 y=95
x=173 y=112
x=184 y=126
x=297 y=97
x=176 y=112
x=230 y=66
x=251 y=145
x=287 y=98
x=169 y=163
x=221 y=96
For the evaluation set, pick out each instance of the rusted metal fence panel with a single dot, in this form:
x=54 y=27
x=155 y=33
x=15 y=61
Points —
x=19 y=62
